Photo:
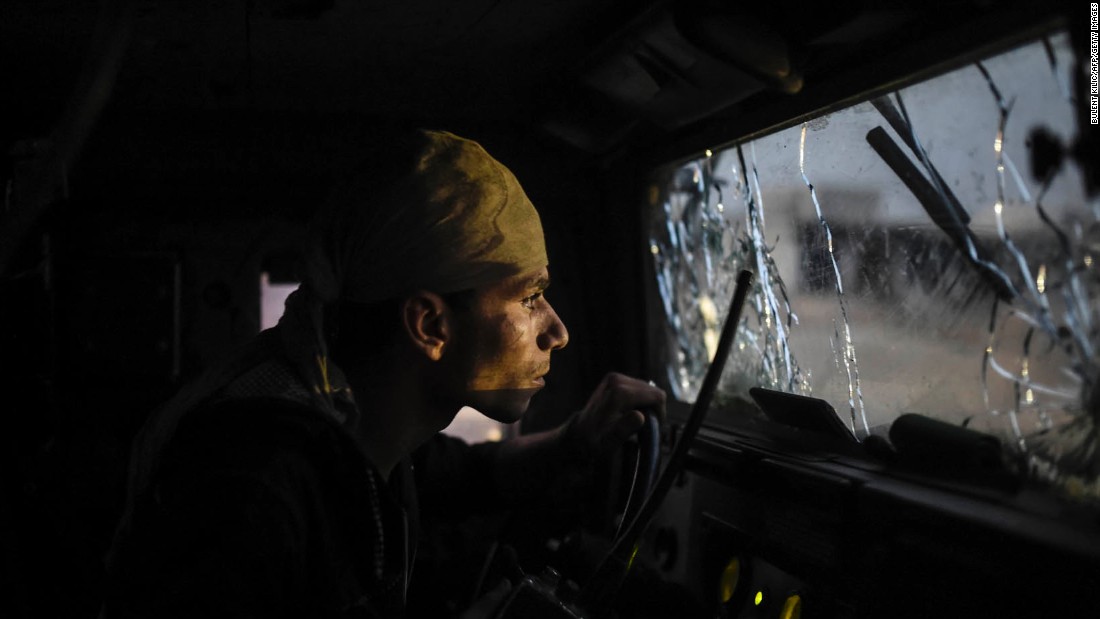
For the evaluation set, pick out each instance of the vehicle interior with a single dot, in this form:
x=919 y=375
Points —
x=902 y=418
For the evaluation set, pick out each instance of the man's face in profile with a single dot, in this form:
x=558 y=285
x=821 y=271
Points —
x=503 y=343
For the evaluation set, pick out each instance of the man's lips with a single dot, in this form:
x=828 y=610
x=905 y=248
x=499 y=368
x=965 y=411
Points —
x=540 y=375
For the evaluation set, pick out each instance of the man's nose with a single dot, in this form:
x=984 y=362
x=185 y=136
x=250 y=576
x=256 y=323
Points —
x=555 y=336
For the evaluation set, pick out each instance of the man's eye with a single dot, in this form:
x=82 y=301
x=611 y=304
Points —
x=529 y=302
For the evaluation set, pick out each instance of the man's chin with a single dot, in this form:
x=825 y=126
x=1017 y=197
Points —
x=503 y=405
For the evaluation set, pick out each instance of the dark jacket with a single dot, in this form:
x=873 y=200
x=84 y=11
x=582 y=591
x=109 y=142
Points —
x=264 y=508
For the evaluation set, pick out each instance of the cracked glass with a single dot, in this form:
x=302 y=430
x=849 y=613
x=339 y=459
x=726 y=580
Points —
x=925 y=252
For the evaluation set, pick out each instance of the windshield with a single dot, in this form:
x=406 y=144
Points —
x=927 y=252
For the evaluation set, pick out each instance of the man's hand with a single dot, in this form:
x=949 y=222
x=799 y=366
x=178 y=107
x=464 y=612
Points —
x=555 y=462
x=615 y=412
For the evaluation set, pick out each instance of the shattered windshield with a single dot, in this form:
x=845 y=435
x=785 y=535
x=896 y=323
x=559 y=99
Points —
x=925 y=252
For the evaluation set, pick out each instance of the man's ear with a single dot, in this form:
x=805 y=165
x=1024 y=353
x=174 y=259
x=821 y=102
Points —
x=428 y=323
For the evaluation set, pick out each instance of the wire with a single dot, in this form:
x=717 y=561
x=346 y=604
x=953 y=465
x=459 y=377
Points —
x=645 y=470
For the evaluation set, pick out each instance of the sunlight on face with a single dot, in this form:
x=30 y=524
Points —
x=503 y=344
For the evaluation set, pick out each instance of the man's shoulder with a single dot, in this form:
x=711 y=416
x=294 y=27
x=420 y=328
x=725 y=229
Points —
x=259 y=433
x=257 y=416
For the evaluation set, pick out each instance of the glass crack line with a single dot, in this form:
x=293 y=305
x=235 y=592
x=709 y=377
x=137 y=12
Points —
x=1052 y=60
x=1076 y=313
x=1038 y=301
x=768 y=273
x=851 y=365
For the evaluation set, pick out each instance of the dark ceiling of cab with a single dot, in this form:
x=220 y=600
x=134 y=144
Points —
x=592 y=77
x=411 y=58
x=481 y=61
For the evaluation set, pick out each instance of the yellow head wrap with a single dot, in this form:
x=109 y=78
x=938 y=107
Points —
x=456 y=220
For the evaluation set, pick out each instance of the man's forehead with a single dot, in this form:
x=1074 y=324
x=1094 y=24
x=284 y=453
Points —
x=538 y=279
